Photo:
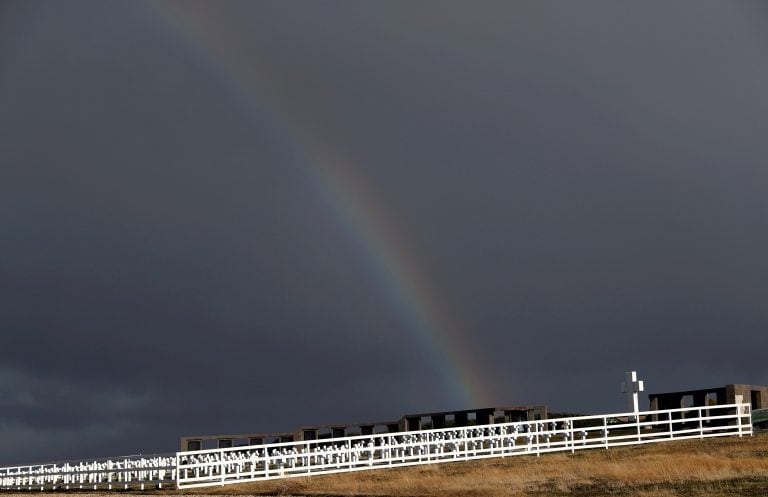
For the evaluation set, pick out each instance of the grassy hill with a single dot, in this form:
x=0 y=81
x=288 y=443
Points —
x=713 y=468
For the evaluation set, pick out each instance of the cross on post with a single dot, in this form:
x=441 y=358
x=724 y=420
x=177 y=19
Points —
x=631 y=386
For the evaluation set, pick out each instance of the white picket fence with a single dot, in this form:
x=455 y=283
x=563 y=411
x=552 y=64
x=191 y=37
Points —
x=385 y=450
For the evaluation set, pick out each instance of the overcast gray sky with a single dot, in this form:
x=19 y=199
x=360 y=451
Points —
x=230 y=216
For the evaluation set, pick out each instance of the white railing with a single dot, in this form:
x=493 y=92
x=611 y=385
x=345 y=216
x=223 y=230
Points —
x=384 y=450
x=117 y=473
x=387 y=450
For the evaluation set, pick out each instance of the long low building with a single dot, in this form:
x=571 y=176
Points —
x=756 y=395
x=408 y=422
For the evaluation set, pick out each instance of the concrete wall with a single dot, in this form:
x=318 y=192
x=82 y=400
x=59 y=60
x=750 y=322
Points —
x=408 y=422
x=756 y=395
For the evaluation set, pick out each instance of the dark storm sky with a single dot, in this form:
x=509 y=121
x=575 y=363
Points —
x=582 y=186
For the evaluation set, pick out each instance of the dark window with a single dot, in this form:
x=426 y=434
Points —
x=193 y=445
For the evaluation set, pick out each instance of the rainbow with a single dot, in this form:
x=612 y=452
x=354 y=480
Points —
x=334 y=176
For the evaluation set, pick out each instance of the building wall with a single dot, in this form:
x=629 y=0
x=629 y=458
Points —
x=756 y=395
x=406 y=423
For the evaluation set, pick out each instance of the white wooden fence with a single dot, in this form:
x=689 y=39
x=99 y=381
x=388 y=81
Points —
x=117 y=473
x=386 y=450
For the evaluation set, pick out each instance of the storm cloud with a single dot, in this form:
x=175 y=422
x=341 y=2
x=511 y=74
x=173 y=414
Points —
x=206 y=210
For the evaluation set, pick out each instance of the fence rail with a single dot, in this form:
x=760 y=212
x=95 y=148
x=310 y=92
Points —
x=385 y=450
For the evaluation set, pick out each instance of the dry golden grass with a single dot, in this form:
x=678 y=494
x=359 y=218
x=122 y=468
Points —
x=712 y=468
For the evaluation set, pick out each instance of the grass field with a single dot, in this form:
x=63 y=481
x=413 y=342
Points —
x=713 y=468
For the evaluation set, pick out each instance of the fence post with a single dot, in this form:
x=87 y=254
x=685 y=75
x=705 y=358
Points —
x=701 y=425
x=671 y=433
x=605 y=431
x=466 y=445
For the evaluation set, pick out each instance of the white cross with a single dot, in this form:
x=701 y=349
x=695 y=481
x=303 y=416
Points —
x=631 y=386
